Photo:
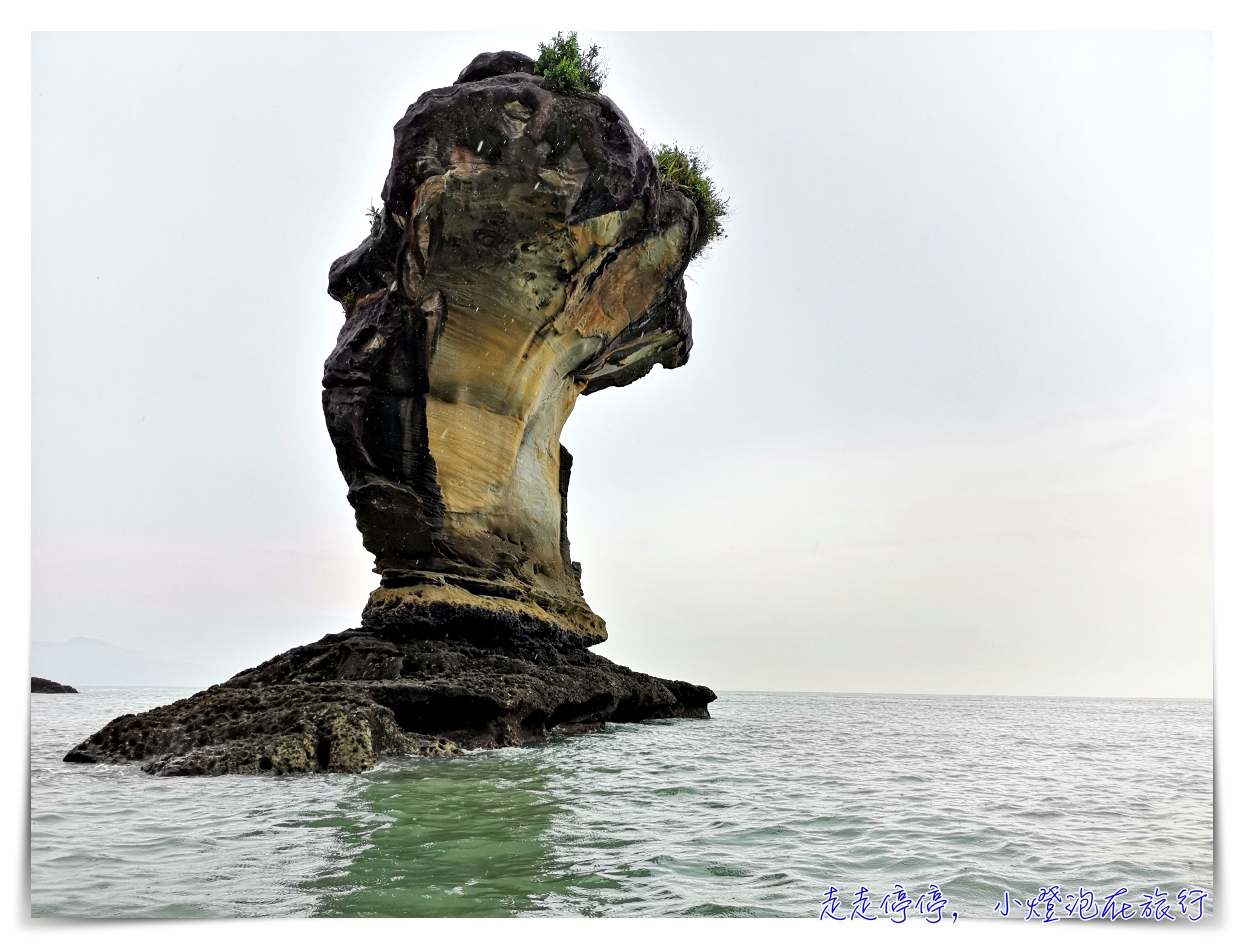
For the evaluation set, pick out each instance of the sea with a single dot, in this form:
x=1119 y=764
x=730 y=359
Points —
x=949 y=808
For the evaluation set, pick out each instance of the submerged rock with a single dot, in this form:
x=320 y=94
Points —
x=525 y=254
x=45 y=686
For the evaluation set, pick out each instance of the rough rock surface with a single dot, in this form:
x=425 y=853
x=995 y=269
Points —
x=525 y=255
x=487 y=65
x=349 y=699
x=45 y=686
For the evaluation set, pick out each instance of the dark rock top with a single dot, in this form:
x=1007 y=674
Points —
x=504 y=63
x=45 y=686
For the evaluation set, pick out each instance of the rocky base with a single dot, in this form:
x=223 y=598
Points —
x=350 y=699
x=45 y=686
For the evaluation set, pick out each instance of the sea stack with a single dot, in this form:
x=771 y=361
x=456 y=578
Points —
x=525 y=254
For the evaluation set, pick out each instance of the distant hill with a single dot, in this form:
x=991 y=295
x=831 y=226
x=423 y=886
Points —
x=85 y=661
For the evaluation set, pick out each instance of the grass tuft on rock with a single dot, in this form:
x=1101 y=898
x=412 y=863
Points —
x=686 y=171
x=568 y=68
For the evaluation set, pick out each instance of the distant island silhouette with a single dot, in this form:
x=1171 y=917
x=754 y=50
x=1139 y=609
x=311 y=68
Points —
x=45 y=686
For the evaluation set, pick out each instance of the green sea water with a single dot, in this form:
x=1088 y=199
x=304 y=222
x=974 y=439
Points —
x=756 y=812
x=468 y=839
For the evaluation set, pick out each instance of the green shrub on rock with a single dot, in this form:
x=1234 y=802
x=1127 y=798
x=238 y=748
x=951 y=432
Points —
x=685 y=171
x=568 y=68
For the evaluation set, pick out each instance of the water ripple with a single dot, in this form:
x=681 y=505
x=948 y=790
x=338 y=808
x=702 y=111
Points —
x=753 y=813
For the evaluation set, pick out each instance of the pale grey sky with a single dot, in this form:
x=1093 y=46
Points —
x=946 y=424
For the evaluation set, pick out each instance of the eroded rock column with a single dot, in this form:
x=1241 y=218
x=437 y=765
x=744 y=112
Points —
x=525 y=255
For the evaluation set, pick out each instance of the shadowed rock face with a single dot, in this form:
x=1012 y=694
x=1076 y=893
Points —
x=525 y=255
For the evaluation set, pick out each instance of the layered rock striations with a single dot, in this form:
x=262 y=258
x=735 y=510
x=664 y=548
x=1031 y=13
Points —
x=525 y=255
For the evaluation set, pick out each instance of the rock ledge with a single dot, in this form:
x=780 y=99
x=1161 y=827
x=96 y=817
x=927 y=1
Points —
x=341 y=704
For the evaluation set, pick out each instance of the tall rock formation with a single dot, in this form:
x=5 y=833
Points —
x=525 y=255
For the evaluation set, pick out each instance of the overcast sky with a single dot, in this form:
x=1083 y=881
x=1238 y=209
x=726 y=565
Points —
x=945 y=427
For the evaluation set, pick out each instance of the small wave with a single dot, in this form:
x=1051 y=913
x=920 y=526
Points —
x=755 y=812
